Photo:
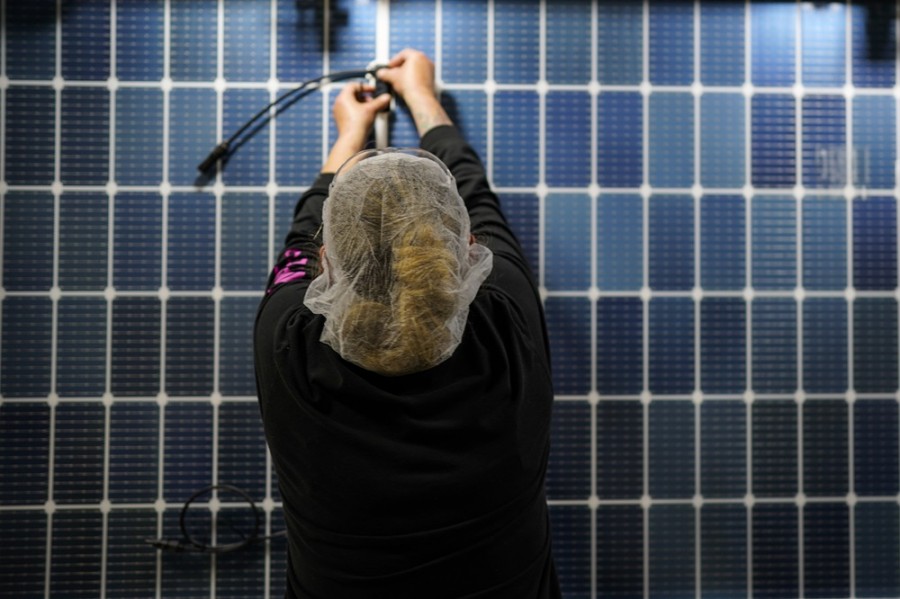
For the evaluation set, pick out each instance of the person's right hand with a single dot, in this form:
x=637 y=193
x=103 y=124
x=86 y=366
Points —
x=411 y=74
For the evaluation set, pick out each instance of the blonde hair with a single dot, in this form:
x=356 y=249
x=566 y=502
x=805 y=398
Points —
x=398 y=265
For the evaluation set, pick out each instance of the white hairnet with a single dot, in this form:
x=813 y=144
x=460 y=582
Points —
x=399 y=271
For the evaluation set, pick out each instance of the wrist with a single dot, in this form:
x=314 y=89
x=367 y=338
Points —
x=428 y=114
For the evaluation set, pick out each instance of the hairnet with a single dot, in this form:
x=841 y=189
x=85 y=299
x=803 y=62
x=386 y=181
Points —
x=399 y=271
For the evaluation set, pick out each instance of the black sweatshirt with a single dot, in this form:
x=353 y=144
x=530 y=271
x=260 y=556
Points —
x=426 y=485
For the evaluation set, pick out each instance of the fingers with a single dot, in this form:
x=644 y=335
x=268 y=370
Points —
x=380 y=103
x=401 y=56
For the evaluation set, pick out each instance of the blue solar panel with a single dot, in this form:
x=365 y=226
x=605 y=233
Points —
x=139 y=142
x=567 y=262
x=774 y=235
x=671 y=243
x=671 y=351
x=620 y=449
x=620 y=345
x=773 y=31
x=723 y=450
x=775 y=551
x=27 y=259
x=825 y=439
x=722 y=243
x=568 y=42
x=724 y=557
x=722 y=44
x=824 y=52
x=137 y=251
x=723 y=360
x=26 y=351
x=516 y=154
x=671 y=139
x=516 y=41
x=78 y=453
x=29 y=133
x=190 y=254
x=671 y=43
x=825 y=345
x=774 y=447
x=774 y=345
x=671 y=453
x=568 y=157
x=81 y=346
x=705 y=191
x=672 y=551
x=190 y=332
x=570 y=475
x=140 y=38
x=134 y=453
x=620 y=242
x=722 y=145
x=135 y=368
x=129 y=573
x=620 y=33
x=620 y=551
x=773 y=134
x=620 y=139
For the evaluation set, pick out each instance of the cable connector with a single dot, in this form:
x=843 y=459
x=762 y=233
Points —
x=176 y=545
x=218 y=152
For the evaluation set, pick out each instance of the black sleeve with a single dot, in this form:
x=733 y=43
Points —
x=298 y=260
x=488 y=223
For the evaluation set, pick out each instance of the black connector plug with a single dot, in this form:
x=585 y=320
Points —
x=177 y=546
x=214 y=156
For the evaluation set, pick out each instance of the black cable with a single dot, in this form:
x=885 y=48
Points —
x=221 y=150
x=188 y=544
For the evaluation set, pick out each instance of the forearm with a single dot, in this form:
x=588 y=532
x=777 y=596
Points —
x=427 y=112
x=344 y=147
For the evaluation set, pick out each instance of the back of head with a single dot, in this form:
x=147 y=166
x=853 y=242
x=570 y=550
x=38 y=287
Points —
x=400 y=272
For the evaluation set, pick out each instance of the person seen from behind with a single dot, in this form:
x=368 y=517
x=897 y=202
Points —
x=403 y=371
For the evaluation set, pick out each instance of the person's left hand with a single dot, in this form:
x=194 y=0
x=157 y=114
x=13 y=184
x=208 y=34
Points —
x=354 y=114
x=355 y=110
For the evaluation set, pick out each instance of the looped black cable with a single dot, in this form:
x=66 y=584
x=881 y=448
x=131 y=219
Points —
x=282 y=102
x=188 y=544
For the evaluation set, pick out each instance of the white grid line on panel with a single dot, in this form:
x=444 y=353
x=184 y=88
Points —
x=541 y=191
x=698 y=382
x=217 y=296
x=688 y=501
x=798 y=77
x=594 y=398
x=736 y=397
x=57 y=185
x=110 y=243
x=748 y=257
x=490 y=90
x=165 y=191
x=645 y=197
x=834 y=192
x=272 y=197
x=849 y=191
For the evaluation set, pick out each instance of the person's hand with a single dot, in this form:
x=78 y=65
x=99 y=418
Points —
x=411 y=74
x=354 y=114
x=355 y=110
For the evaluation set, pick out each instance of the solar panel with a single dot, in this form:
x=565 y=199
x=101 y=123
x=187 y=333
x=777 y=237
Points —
x=706 y=190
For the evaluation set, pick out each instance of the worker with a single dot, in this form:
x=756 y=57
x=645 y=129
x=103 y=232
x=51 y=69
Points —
x=403 y=370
